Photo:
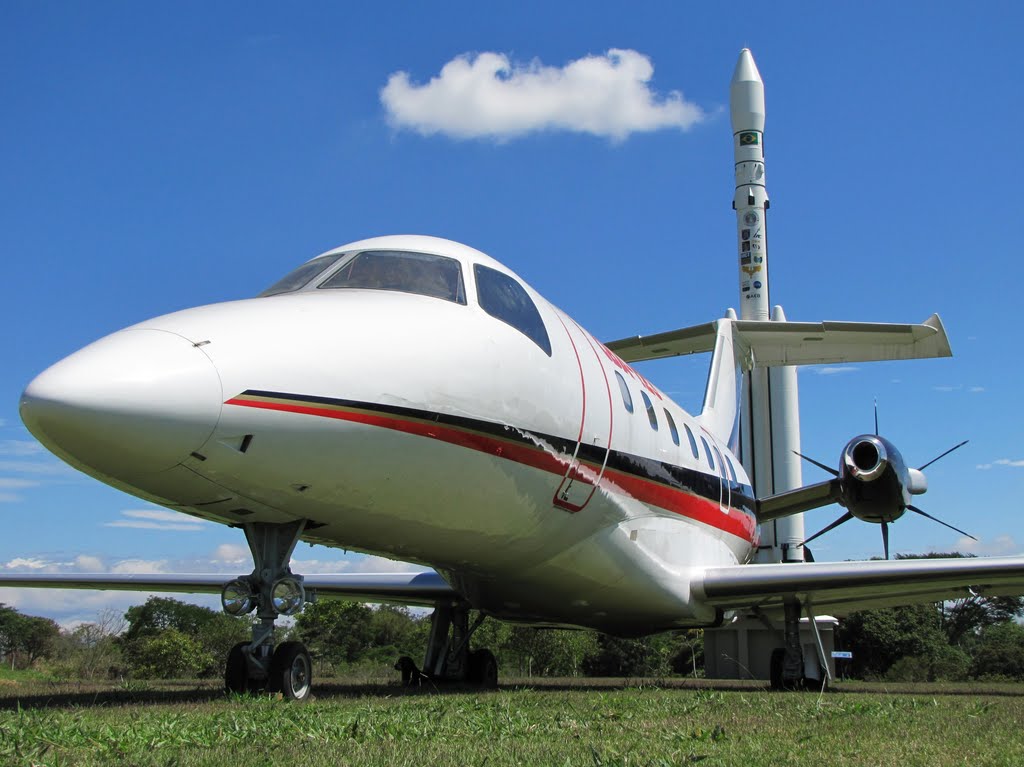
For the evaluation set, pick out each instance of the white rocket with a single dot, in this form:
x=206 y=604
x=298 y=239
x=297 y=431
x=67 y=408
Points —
x=770 y=425
x=746 y=104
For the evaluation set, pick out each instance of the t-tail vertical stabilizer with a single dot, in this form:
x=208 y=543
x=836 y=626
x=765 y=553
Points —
x=720 y=414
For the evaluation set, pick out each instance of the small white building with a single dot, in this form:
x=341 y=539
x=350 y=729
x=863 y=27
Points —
x=743 y=648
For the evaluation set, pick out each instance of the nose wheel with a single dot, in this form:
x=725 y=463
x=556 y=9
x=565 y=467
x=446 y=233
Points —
x=272 y=590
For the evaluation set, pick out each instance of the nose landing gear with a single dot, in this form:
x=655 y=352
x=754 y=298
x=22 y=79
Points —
x=272 y=590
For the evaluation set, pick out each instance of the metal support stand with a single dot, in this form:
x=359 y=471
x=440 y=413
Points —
x=823 y=661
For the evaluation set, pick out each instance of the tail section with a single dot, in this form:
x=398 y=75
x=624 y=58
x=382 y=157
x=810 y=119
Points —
x=721 y=411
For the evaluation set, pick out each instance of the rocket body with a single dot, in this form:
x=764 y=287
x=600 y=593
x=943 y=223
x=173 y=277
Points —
x=746 y=106
x=770 y=424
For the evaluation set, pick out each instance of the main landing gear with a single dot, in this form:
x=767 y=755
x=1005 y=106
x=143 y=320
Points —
x=271 y=590
x=448 y=657
x=788 y=669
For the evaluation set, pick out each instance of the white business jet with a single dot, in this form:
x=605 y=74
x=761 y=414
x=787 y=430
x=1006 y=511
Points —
x=413 y=398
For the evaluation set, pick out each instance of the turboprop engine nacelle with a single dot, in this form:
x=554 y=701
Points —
x=874 y=480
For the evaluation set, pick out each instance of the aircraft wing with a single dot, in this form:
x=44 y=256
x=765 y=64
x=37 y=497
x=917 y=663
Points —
x=839 y=588
x=425 y=588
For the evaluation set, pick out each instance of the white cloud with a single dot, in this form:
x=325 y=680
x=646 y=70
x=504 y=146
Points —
x=232 y=554
x=487 y=96
x=1009 y=462
x=833 y=371
x=141 y=566
x=21 y=563
x=983 y=466
x=1001 y=545
x=37 y=467
x=158 y=519
x=182 y=527
x=976 y=389
x=89 y=564
x=17 y=484
x=20 y=447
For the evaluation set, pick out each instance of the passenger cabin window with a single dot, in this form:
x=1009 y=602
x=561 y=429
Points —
x=707 y=451
x=692 y=441
x=504 y=298
x=721 y=463
x=302 y=276
x=672 y=428
x=627 y=398
x=651 y=415
x=425 y=274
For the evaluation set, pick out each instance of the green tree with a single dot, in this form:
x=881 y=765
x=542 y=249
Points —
x=170 y=654
x=1001 y=652
x=547 y=652
x=879 y=638
x=213 y=632
x=336 y=631
x=965 y=618
x=92 y=650
x=25 y=638
x=647 y=656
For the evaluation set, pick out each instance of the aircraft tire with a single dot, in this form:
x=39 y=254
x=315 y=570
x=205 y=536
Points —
x=236 y=672
x=483 y=669
x=775 y=664
x=291 y=671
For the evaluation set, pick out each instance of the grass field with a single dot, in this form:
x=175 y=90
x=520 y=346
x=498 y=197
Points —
x=554 y=722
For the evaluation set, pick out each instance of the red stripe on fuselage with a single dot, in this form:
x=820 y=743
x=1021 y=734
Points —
x=542 y=457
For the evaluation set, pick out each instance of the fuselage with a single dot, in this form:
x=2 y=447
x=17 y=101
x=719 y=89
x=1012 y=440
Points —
x=541 y=475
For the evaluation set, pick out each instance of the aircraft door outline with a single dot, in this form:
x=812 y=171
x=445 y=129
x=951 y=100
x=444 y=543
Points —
x=590 y=457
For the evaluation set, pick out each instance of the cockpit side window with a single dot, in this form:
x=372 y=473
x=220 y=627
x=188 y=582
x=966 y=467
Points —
x=504 y=298
x=302 y=276
x=405 y=272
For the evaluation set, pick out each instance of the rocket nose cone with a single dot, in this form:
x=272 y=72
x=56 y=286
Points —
x=746 y=69
x=746 y=95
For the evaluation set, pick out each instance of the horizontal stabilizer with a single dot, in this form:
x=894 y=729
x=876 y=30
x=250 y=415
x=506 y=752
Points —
x=773 y=344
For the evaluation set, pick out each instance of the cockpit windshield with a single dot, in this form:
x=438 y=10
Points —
x=303 y=275
x=406 y=272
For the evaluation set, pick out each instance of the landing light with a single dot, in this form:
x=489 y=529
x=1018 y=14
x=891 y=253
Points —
x=237 y=598
x=288 y=596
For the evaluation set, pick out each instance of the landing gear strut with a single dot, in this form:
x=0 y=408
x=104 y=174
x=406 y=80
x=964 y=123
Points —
x=272 y=590
x=448 y=657
x=787 y=663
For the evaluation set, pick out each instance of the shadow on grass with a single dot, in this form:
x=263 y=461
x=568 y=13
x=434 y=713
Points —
x=50 y=695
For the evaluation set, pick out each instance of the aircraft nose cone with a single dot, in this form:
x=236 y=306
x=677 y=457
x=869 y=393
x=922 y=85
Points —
x=136 y=402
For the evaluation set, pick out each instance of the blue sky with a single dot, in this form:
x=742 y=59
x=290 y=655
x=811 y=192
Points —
x=160 y=156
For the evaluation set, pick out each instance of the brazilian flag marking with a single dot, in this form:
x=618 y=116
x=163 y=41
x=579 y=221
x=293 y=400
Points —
x=748 y=138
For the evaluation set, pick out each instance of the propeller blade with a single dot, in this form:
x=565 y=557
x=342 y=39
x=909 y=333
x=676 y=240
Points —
x=885 y=539
x=845 y=518
x=829 y=469
x=933 y=460
x=936 y=519
x=876 y=422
